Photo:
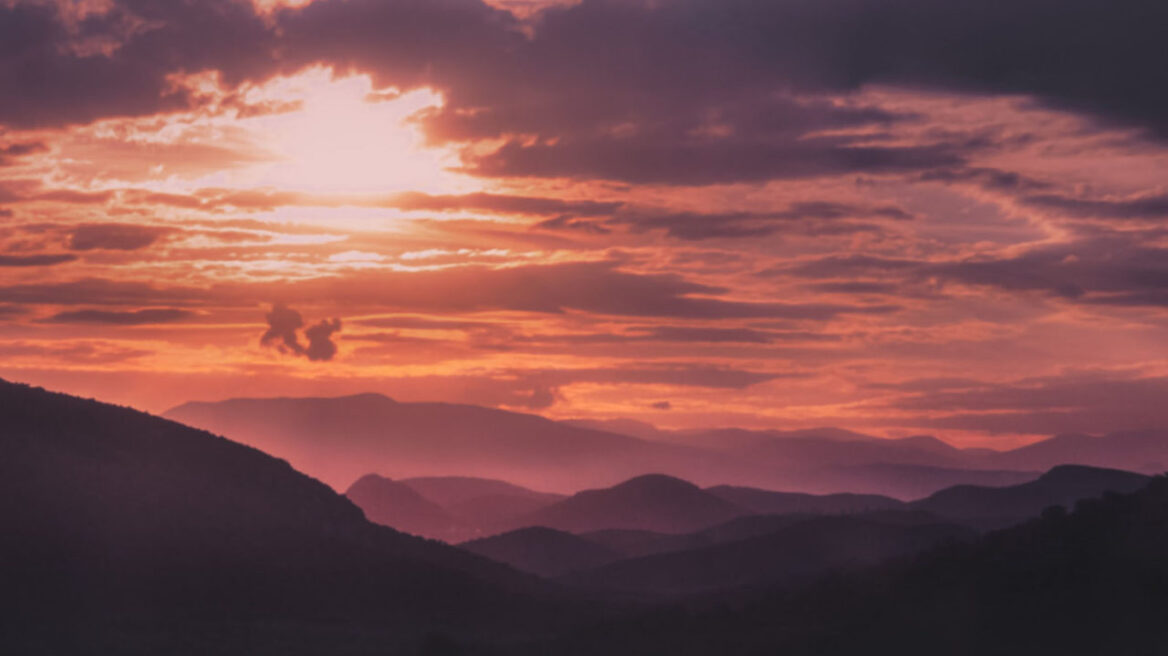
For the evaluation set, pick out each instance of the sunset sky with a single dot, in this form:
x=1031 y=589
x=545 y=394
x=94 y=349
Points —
x=896 y=216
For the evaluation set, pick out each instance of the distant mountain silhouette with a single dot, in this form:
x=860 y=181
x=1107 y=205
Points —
x=397 y=505
x=543 y=551
x=797 y=550
x=451 y=491
x=1144 y=451
x=1094 y=581
x=992 y=507
x=479 y=502
x=118 y=524
x=653 y=502
x=766 y=502
x=905 y=481
x=340 y=439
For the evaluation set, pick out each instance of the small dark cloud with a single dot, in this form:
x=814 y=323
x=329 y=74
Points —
x=1143 y=208
x=855 y=287
x=284 y=325
x=987 y=178
x=662 y=405
x=43 y=259
x=10 y=153
x=320 y=345
x=114 y=236
x=131 y=318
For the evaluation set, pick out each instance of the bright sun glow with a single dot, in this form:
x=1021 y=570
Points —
x=345 y=137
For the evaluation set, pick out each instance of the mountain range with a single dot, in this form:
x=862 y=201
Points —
x=341 y=439
x=1090 y=581
x=750 y=549
x=125 y=533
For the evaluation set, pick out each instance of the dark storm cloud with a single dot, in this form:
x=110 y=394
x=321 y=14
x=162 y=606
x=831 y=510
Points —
x=130 y=318
x=114 y=236
x=673 y=91
x=284 y=325
x=47 y=82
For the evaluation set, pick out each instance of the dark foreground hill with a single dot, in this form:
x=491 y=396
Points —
x=544 y=551
x=1091 y=582
x=125 y=533
x=792 y=553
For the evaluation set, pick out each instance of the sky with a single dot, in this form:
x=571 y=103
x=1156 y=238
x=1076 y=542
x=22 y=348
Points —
x=896 y=216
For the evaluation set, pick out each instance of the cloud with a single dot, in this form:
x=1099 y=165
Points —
x=131 y=318
x=114 y=236
x=101 y=291
x=14 y=151
x=74 y=86
x=678 y=162
x=1108 y=269
x=802 y=217
x=1082 y=403
x=592 y=287
x=9 y=311
x=599 y=288
x=679 y=91
x=212 y=199
x=284 y=324
x=1142 y=208
x=320 y=345
x=661 y=405
x=43 y=259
